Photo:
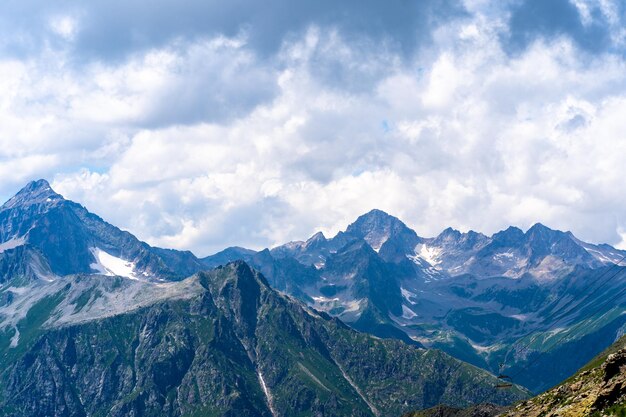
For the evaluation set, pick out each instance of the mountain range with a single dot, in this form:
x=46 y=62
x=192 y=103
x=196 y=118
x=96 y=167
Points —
x=516 y=298
x=94 y=322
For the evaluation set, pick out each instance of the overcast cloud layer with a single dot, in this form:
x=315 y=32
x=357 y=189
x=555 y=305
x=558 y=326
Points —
x=208 y=125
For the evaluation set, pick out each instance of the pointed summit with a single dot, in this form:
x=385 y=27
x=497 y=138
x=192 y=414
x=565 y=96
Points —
x=375 y=220
x=540 y=234
x=315 y=241
x=538 y=227
x=376 y=227
x=67 y=239
x=319 y=236
x=35 y=192
x=448 y=235
x=511 y=236
x=539 y=231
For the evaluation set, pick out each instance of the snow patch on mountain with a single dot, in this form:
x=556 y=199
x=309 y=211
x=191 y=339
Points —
x=407 y=313
x=482 y=349
x=430 y=254
x=16 y=338
x=266 y=391
x=376 y=241
x=408 y=295
x=606 y=255
x=107 y=264
x=353 y=306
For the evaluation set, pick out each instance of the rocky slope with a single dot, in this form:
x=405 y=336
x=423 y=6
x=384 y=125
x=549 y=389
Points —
x=221 y=343
x=599 y=389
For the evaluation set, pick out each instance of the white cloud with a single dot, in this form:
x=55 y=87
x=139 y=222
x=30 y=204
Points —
x=64 y=26
x=202 y=145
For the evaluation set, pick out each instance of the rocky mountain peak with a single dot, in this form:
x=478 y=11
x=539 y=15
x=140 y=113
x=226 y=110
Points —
x=448 y=235
x=68 y=239
x=315 y=240
x=539 y=231
x=376 y=227
x=35 y=192
x=511 y=236
x=543 y=235
x=241 y=275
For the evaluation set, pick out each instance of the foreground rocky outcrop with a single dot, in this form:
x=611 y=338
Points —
x=599 y=389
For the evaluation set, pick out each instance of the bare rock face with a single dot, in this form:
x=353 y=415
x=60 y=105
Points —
x=614 y=388
x=614 y=364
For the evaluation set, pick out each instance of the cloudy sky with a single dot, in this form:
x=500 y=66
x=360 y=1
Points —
x=203 y=124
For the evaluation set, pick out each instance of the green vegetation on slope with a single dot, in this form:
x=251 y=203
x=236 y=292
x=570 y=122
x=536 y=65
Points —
x=208 y=355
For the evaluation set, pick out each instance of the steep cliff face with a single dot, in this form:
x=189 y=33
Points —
x=223 y=344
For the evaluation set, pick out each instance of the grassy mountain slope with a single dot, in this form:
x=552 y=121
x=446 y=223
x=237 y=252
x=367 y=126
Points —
x=226 y=346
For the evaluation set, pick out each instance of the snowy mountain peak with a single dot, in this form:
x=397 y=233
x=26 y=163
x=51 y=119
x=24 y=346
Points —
x=37 y=223
x=35 y=192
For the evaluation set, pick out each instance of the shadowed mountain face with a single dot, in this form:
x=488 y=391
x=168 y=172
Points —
x=56 y=237
x=219 y=343
x=529 y=297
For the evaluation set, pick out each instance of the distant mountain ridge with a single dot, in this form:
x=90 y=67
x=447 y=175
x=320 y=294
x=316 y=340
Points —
x=472 y=295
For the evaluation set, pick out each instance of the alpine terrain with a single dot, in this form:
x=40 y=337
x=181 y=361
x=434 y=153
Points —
x=94 y=322
x=535 y=304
